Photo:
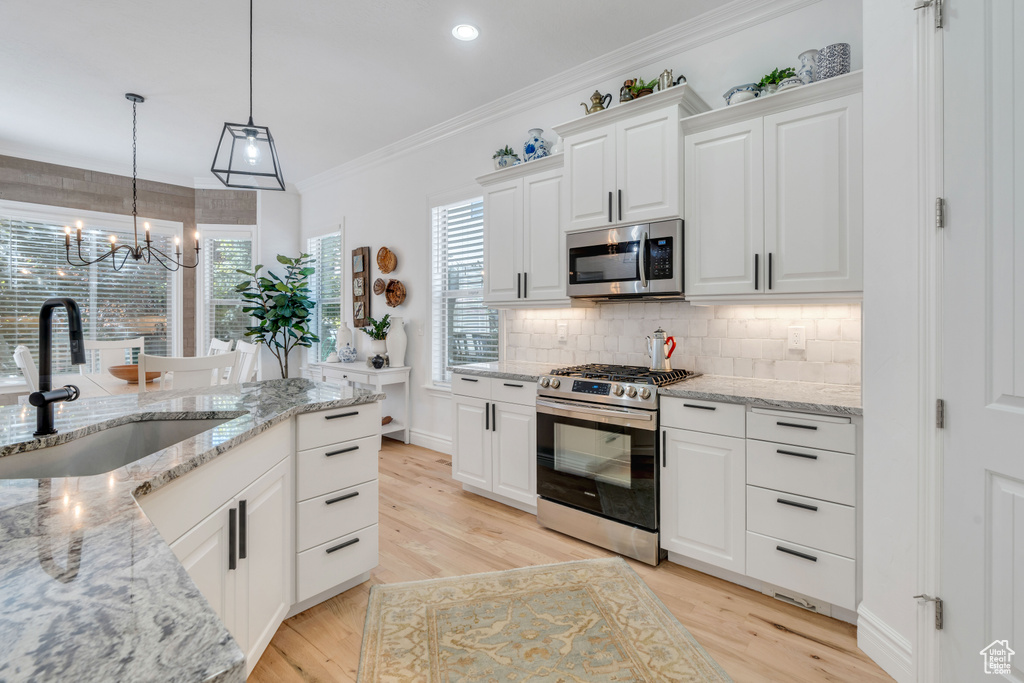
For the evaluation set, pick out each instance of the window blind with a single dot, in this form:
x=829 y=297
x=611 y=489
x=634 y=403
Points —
x=222 y=313
x=326 y=286
x=464 y=330
x=137 y=301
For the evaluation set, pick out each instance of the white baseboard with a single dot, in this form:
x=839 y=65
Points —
x=890 y=650
x=327 y=594
x=435 y=442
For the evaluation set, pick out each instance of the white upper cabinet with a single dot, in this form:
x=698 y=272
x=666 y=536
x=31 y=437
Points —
x=503 y=242
x=647 y=163
x=592 y=183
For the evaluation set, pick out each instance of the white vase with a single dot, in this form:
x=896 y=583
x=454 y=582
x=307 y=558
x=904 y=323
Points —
x=378 y=347
x=344 y=337
x=808 y=71
x=397 y=342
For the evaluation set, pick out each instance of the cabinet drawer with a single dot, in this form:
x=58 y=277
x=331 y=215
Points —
x=804 y=471
x=727 y=419
x=337 y=466
x=799 y=429
x=346 y=423
x=514 y=391
x=335 y=514
x=820 y=575
x=807 y=521
x=333 y=563
x=477 y=387
x=339 y=375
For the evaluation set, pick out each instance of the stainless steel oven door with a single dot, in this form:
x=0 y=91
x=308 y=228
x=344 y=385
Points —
x=601 y=459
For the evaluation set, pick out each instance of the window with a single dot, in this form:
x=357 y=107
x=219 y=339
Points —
x=140 y=300
x=326 y=286
x=225 y=251
x=464 y=330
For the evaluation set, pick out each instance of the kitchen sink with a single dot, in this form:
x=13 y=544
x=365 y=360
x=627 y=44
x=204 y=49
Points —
x=103 y=451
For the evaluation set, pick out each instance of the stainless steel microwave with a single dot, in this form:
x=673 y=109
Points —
x=629 y=261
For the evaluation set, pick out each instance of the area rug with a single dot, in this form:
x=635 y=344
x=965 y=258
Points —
x=593 y=621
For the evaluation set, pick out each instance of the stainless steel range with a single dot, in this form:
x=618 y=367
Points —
x=597 y=455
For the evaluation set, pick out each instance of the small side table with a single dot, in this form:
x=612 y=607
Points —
x=360 y=373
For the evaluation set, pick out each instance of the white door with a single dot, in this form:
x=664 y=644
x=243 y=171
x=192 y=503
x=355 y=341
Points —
x=647 y=160
x=590 y=169
x=204 y=552
x=724 y=210
x=982 y=362
x=503 y=242
x=703 y=497
x=813 y=197
x=514 y=449
x=543 y=240
x=266 y=557
x=471 y=452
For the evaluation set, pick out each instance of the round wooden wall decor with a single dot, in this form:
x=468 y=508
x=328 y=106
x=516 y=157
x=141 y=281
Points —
x=378 y=286
x=394 y=293
x=386 y=260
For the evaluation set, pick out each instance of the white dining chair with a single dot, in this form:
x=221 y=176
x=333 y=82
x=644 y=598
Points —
x=190 y=372
x=217 y=346
x=23 y=359
x=107 y=353
x=247 y=364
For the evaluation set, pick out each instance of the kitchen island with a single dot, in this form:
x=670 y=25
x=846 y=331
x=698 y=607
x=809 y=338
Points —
x=90 y=588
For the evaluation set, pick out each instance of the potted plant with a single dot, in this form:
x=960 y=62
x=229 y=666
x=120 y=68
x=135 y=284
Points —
x=770 y=82
x=641 y=87
x=505 y=157
x=378 y=332
x=281 y=307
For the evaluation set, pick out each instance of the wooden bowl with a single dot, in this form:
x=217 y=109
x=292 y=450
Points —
x=394 y=293
x=130 y=373
x=378 y=286
x=386 y=260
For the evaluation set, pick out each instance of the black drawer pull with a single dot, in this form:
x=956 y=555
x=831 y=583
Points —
x=243 y=534
x=468 y=379
x=335 y=417
x=517 y=386
x=232 y=537
x=356 y=493
x=805 y=506
x=343 y=450
x=799 y=455
x=342 y=545
x=793 y=424
x=694 y=405
x=805 y=556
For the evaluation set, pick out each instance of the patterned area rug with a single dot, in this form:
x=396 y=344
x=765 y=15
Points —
x=593 y=621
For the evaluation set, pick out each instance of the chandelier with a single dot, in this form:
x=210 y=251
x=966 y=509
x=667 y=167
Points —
x=137 y=252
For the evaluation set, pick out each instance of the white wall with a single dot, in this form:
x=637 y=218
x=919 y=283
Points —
x=278 y=227
x=385 y=203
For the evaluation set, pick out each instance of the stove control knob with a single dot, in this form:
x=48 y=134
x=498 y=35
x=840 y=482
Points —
x=544 y=382
x=645 y=393
x=555 y=383
x=631 y=391
x=617 y=390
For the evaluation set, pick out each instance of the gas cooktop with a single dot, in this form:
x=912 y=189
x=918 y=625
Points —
x=635 y=374
x=630 y=386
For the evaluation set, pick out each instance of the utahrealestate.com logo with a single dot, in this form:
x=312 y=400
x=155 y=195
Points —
x=998 y=657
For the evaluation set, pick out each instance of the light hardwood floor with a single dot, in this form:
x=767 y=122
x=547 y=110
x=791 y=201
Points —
x=430 y=527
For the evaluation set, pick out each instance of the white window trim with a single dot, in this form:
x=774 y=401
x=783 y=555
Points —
x=221 y=231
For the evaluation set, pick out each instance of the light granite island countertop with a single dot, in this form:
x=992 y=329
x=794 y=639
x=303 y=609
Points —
x=89 y=591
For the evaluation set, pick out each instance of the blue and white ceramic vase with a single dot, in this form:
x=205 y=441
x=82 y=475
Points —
x=833 y=60
x=535 y=147
x=503 y=160
x=808 y=71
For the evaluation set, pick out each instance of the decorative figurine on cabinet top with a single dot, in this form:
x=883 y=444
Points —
x=535 y=146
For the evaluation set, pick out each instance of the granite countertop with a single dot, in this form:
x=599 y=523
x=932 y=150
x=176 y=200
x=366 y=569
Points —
x=524 y=371
x=834 y=399
x=88 y=588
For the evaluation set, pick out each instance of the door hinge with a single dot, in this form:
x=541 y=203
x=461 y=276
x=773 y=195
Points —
x=938 y=608
x=940 y=212
x=921 y=4
x=940 y=413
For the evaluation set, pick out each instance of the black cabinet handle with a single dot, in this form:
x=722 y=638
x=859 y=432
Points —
x=694 y=405
x=487 y=417
x=805 y=556
x=343 y=545
x=769 y=270
x=468 y=379
x=332 y=501
x=793 y=424
x=335 y=417
x=620 y=205
x=494 y=416
x=343 y=450
x=757 y=271
x=526 y=288
x=664 y=448
x=799 y=455
x=519 y=285
x=805 y=506
x=243 y=534
x=517 y=386
x=609 y=206
x=232 y=537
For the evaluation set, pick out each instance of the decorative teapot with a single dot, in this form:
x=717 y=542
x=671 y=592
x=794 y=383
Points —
x=600 y=102
x=660 y=349
x=665 y=80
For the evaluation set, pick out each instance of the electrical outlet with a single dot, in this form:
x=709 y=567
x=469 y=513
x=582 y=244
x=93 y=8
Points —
x=797 y=337
x=563 y=332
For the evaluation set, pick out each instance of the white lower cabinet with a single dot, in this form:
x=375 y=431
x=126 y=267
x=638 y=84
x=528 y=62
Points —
x=203 y=552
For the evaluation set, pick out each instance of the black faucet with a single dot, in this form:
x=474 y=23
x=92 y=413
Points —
x=44 y=399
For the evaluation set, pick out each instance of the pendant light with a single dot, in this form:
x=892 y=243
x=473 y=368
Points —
x=246 y=156
x=137 y=252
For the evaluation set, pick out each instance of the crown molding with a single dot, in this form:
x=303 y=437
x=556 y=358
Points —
x=89 y=164
x=722 y=21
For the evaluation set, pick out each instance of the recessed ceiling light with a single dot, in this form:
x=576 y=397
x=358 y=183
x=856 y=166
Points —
x=465 y=32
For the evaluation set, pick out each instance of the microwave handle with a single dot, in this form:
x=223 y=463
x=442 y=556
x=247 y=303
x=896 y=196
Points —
x=643 y=259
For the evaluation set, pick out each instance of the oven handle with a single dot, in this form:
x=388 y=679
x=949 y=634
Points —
x=582 y=412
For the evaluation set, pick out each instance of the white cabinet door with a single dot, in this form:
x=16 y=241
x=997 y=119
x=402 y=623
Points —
x=647 y=160
x=514 y=448
x=724 y=210
x=543 y=240
x=813 y=197
x=471 y=450
x=204 y=553
x=590 y=166
x=266 y=557
x=503 y=242
x=703 y=498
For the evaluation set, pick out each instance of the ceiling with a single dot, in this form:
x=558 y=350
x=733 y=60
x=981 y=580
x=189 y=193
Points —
x=335 y=79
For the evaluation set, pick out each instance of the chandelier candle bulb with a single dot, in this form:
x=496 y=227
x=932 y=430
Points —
x=67 y=237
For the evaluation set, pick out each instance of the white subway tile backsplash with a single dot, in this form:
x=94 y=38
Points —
x=828 y=330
